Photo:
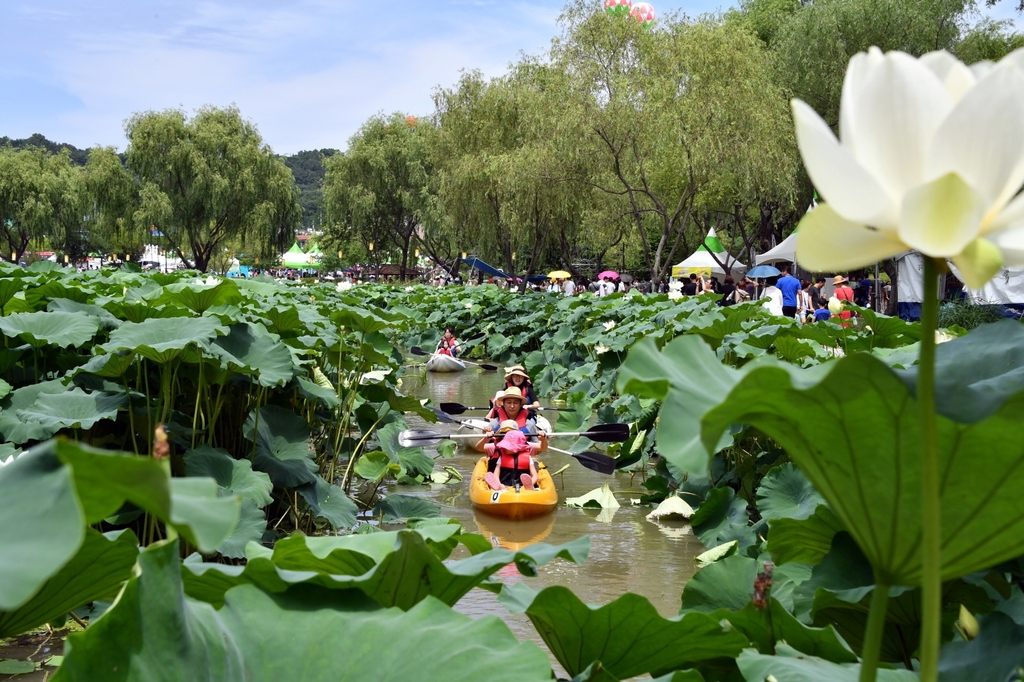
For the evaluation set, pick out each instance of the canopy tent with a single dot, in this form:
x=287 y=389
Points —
x=486 y=268
x=295 y=258
x=784 y=252
x=1006 y=288
x=315 y=254
x=703 y=263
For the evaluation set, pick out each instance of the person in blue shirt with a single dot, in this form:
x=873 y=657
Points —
x=821 y=312
x=789 y=286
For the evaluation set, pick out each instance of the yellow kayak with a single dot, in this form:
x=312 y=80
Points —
x=511 y=534
x=524 y=504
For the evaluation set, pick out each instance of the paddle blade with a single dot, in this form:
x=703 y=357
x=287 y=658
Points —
x=453 y=408
x=416 y=350
x=414 y=438
x=489 y=368
x=608 y=433
x=444 y=418
x=596 y=461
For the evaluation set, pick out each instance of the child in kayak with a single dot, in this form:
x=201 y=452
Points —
x=514 y=461
x=448 y=345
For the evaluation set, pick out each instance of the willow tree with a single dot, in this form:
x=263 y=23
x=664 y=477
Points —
x=672 y=116
x=30 y=191
x=504 y=171
x=378 y=187
x=210 y=179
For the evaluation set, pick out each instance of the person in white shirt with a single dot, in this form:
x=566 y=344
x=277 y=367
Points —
x=771 y=297
x=569 y=288
x=605 y=288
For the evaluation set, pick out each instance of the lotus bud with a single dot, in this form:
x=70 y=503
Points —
x=763 y=586
x=609 y=325
x=599 y=349
x=835 y=306
x=943 y=337
x=968 y=623
x=161 y=448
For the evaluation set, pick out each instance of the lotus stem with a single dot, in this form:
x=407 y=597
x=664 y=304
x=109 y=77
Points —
x=931 y=510
x=871 y=652
x=131 y=414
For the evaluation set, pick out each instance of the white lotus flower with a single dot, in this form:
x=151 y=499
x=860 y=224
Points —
x=674 y=295
x=343 y=286
x=931 y=158
x=599 y=349
x=408 y=288
x=5 y=462
x=609 y=325
x=212 y=281
x=469 y=306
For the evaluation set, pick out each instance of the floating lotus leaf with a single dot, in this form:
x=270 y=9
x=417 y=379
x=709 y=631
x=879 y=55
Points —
x=163 y=339
x=51 y=329
x=259 y=637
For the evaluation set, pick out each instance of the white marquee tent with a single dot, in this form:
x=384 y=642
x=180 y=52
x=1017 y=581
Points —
x=704 y=264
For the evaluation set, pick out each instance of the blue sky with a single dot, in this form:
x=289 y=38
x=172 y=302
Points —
x=307 y=72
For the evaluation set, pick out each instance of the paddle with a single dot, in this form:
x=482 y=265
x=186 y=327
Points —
x=600 y=433
x=458 y=408
x=416 y=350
x=595 y=461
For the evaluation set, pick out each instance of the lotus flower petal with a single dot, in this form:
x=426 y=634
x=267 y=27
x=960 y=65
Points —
x=942 y=217
x=827 y=242
x=860 y=65
x=955 y=76
x=897 y=108
x=982 y=139
x=1011 y=244
x=837 y=175
x=978 y=262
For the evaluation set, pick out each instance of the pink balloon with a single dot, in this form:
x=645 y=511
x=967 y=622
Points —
x=644 y=13
x=617 y=6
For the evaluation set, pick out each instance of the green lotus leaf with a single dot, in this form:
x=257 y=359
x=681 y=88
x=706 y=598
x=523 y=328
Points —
x=282 y=319
x=310 y=390
x=247 y=350
x=51 y=329
x=259 y=637
x=357 y=319
x=35 y=295
x=725 y=584
x=141 y=311
x=414 y=461
x=102 y=563
x=690 y=379
x=66 y=305
x=9 y=286
x=397 y=568
x=870 y=471
x=110 y=365
x=627 y=636
x=329 y=502
x=993 y=656
x=397 y=507
x=722 y=517
x=201 y=297
x=793 y=666
x=233 y=474
x=163 y=339
x=786 y=493
x=282 y=446
x=74 y=408
x=252 y=524
x=977 y=373
x=803 y=540
x=17 y=430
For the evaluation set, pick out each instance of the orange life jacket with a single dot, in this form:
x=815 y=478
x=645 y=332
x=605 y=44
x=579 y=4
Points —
x=519 y=462
x=501 y=415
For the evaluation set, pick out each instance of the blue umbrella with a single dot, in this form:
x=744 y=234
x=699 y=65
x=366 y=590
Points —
x=764 y=271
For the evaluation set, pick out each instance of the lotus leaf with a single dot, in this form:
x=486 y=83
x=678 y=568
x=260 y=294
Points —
x=44 y=328
x=722 y=517
x=201 y=297
x=163 y=339
x=140 y=312
x=786 y=493
x=373 y=466
x=252 y=524
x=111 y=365
x=415 y=461
x=250 y=351
x=724 y=584
x=396 y=507
x=598 y=497
x=993 y=656
x=96 y=571
x=259 y=637
x=401 y=569
x=806 y=540
x=329 y=502
x=16 y=430
x=871 y=476
x=282 y=446
x=793 y=666
x=234 y=474
x=74 y=408
x=66 y=305
x=627 y=636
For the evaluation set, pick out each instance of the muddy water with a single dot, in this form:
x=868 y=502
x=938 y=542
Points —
x=627 y=552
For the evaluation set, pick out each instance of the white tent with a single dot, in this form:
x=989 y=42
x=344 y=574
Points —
x=704 y=264
x=784 y=252
x=1006 y=288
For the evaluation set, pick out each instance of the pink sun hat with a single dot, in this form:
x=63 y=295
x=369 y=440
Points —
x=514 y=441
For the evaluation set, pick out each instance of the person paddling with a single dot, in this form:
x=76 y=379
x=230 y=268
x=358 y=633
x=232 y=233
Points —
x=509 y=407
x=448 y=345
x=515 y=463
x=516 y=376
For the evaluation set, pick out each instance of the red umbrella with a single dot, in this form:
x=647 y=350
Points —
x=610 y=274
